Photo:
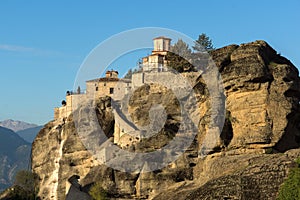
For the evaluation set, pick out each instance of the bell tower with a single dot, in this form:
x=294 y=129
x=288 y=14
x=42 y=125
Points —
x=161 y=45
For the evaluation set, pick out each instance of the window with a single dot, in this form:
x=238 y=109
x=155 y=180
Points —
x=111 y=90
x=104 y=84
x=96 y=88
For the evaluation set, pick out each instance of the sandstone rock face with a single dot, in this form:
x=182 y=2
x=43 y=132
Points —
x=58 y=153
x=248 y=177
x=261 y=111
x=262 y=96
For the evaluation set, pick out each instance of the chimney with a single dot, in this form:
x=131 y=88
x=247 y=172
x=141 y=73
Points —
x=112 y=74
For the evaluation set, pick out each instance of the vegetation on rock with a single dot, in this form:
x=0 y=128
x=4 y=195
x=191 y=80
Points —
x=97 y=192
x=290 y=189
x=179 y=56
x=23 y=189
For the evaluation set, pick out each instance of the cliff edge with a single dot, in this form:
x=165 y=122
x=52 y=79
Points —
x=251 y=159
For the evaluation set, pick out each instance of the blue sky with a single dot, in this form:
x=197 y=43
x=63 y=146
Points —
x=43 y=43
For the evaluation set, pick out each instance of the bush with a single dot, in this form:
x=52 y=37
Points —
x=23 y=188
x=290 y=189
x=17 y=193
x=97 y=192
x=25 y=179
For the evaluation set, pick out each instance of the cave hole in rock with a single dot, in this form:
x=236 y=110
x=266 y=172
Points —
x=227 y=132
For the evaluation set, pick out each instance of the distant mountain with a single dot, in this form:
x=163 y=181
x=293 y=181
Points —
x=29 y=133
x=16 y=125
x=14 y=156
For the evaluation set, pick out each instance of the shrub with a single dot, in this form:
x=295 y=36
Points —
x=97 y=192
x=290 y=189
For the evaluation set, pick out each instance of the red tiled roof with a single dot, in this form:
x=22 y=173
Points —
x=109 y=79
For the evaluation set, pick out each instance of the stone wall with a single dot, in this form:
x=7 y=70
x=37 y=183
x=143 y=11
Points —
x=167 y=79
x=60 y=112
x=73 y=102
x=121 y=89
x=125 y=134
x=94 y=90
x=137 y=80
x=116 y=89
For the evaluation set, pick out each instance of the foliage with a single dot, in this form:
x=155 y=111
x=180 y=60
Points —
x=24 y=187
x=18 y=193
x=203 y=43
x=97 y=192
x=25 y=179
x=178 y=57
x=269 y=151
x=182 y=49
x=78 y=90
x=290 y=189
x=128 y=75
x=63 y=103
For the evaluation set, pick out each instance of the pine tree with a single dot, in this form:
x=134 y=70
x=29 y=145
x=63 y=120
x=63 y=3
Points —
x=128 y=75
x=182 y=49
x=203 y=43
x=179 y=56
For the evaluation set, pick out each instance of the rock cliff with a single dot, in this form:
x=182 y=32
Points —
x=262 y=91
x=262 y=96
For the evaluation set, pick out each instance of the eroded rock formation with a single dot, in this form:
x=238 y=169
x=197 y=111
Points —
x=262 y=94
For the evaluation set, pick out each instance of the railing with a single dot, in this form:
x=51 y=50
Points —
x=76 y=92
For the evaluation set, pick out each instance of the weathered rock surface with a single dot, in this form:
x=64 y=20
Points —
x=250 y=176
x=262 y=91
x=58 y=152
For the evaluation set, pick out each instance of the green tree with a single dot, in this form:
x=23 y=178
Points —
x=178 y=57
x=203 y=43
x=63 y=103
x=25 y=179
x=128 y=75
x=97 y=192
x=23 y=188
x=182 y=49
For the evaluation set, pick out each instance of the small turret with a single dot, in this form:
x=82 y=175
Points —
x=161 y=44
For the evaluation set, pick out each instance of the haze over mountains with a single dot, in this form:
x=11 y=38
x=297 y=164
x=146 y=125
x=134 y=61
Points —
x=27 y=131
x=15 y=147
x=14 y=156
x=16 y=125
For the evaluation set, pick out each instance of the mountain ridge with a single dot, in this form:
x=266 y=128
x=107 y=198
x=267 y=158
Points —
x=16 y=125
x=30 y=133
x=14 y=156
